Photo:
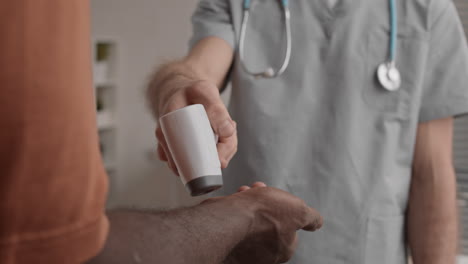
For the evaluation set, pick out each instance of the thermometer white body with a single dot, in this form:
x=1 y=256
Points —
x=192 y=144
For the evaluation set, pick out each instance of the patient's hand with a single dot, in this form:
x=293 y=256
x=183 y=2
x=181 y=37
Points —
x=277 y=216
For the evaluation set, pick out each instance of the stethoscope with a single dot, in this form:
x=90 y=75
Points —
x=387 y=72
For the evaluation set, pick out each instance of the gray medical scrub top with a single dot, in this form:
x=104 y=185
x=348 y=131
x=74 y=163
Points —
x=325 y=130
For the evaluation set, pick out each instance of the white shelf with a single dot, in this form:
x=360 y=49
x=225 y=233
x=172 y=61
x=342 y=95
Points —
x=103 y=84
x=106 y=88
x=105 y=120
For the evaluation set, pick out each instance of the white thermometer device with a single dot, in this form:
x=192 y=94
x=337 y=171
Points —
x=192 y=145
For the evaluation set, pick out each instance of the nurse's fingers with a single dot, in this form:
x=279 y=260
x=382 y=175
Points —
x=254 y=185
x=227 y=148
x=206 y=93
x=314 y=220
x=163 y=145
x=243 y=188
x=258 y=184
x=161 y=154
x=170 y=162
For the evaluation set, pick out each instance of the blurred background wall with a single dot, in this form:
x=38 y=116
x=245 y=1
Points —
x=142 y=33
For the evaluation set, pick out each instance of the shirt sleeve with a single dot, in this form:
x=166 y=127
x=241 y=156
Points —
x=445 y=91
x=212 y=18
x=53 y=184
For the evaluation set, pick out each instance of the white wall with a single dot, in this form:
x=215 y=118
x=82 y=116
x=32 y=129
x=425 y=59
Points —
x=148 y=32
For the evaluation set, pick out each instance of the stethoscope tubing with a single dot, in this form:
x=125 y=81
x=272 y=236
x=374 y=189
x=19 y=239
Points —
x=270 y=72
x=393 y=31
x=387 y=72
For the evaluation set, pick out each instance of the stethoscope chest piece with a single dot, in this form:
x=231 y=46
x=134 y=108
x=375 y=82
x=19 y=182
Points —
x=389 y=76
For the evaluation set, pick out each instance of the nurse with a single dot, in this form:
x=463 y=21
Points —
x=375 y=162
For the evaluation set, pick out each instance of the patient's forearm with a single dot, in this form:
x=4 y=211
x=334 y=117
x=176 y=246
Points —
x=202 y=234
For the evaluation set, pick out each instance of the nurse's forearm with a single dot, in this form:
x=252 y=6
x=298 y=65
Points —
x=432 y=220
x=203 y=234
x=432 y=213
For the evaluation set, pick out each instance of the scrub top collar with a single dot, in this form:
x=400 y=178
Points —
x=342 y=8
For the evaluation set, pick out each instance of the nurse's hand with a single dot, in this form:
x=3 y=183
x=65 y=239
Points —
x=207 y=94
x=277 y=216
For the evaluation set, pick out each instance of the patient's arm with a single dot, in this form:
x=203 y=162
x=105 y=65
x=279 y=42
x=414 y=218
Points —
x=200 y=234
x=207 y=233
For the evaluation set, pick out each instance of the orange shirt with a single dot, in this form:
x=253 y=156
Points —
x=52 y=181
